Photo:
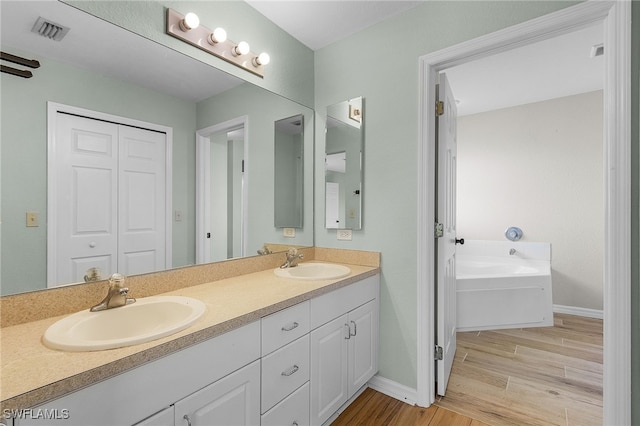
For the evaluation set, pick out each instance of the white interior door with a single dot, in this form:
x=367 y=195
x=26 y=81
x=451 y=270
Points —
x=222 y=190
x=142 y=203
x=86 y=153
x=110 y=187
x=446 y=244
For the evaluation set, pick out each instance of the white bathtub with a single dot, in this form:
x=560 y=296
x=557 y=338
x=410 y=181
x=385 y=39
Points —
x=498 y=290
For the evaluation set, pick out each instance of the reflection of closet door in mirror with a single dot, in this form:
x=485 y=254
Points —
x=110 y=214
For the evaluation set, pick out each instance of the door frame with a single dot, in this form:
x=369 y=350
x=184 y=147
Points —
x=616 y=16
x=203 y=184
x=52 y=172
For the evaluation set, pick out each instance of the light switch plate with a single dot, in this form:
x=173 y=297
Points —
x=289 y=232
x=344 y=234
x=32 y=219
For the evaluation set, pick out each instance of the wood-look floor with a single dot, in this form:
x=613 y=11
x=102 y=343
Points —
x=535 y=376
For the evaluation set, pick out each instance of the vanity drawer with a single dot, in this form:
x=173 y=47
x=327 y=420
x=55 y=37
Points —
x=293 y=410
x=284 y=326
x=283 y=371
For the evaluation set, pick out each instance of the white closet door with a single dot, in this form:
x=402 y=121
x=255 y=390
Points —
x=142 y=201
x=86 y=153
x=111 y=210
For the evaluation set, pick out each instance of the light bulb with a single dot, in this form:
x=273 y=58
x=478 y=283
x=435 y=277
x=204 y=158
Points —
x=190 y=22
x=219 y=35
x=261 y=59
x=241 y=49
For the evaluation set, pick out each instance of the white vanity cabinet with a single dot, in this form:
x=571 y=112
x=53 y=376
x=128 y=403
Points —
x=344 y=349
x=297 y=366
x=232 y=400
x=135 y=395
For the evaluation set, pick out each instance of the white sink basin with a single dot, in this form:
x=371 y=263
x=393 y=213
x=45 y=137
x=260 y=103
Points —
x=147 y=319
x=314 y=271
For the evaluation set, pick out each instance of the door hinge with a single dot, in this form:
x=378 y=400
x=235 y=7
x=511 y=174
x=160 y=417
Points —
x=438 y=353
x=439 y=108
x=438 y=230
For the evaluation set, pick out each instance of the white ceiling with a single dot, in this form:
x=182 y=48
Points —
x=318 y=23
x=553 y=68
x=97 y=45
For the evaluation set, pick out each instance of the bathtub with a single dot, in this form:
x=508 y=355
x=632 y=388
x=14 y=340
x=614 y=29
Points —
x=497 y=290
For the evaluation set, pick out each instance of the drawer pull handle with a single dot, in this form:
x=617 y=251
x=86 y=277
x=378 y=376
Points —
x=348 y=336
x=290 y=327
x=186 y=417
x=355 y=329
x=290 y=371
x=294 y=423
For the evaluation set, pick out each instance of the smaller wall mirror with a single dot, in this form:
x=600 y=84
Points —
x=343 y=165
x=289 y=181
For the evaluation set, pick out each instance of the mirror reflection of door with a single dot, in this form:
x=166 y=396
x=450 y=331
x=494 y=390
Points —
x=343 y=165
x=113 y=217
x=221 y=192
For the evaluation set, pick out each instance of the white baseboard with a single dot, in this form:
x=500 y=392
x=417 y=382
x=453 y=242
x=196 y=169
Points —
x=393 y=389
x=581 y=312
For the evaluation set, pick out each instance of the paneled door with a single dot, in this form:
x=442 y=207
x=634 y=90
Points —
x=110 y=204
x=446 y=243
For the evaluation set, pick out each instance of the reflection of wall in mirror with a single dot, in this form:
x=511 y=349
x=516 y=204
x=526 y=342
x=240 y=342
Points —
x=24 y=136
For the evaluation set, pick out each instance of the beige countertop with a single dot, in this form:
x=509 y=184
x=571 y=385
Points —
x=32 y=374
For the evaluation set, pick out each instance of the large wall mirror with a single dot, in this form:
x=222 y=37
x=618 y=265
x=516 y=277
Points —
x=103 y=68
x=343 y=165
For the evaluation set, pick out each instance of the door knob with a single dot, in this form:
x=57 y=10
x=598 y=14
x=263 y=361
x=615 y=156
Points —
x=460 y=241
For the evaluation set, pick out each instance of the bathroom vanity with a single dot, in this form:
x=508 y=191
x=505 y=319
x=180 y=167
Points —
x=288 y=352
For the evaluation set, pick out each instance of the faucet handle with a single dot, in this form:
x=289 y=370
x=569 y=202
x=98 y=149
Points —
x=116 y=280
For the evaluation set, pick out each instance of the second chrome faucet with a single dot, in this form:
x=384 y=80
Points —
x=292 y=258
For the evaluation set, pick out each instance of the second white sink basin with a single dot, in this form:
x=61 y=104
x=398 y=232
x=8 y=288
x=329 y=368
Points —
x=147 y=319
x=314 y=271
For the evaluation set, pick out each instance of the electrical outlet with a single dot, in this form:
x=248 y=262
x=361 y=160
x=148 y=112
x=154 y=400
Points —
x=32 y=219
x=344 y=234
x=178 y=215
x=289 y=232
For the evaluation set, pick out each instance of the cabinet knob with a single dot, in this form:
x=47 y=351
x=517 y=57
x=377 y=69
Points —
x=92 y=244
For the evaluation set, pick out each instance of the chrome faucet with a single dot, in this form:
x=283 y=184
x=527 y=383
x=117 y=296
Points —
x=512 y=251
x=264 y=250
x=117 y=295
x=292 y=259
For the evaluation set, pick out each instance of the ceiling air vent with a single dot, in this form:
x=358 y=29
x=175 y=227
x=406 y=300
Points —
x=49 y=29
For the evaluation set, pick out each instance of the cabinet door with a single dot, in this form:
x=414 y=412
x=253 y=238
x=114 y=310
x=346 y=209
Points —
x=329 y=381
x=363 y=345
x=165 y=417
x=232 y=400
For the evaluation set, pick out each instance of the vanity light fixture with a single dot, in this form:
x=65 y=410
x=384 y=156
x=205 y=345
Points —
x=189 y=22
x=241 y=49
x=219 y=35
x=262 y=59
x=188 y=29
